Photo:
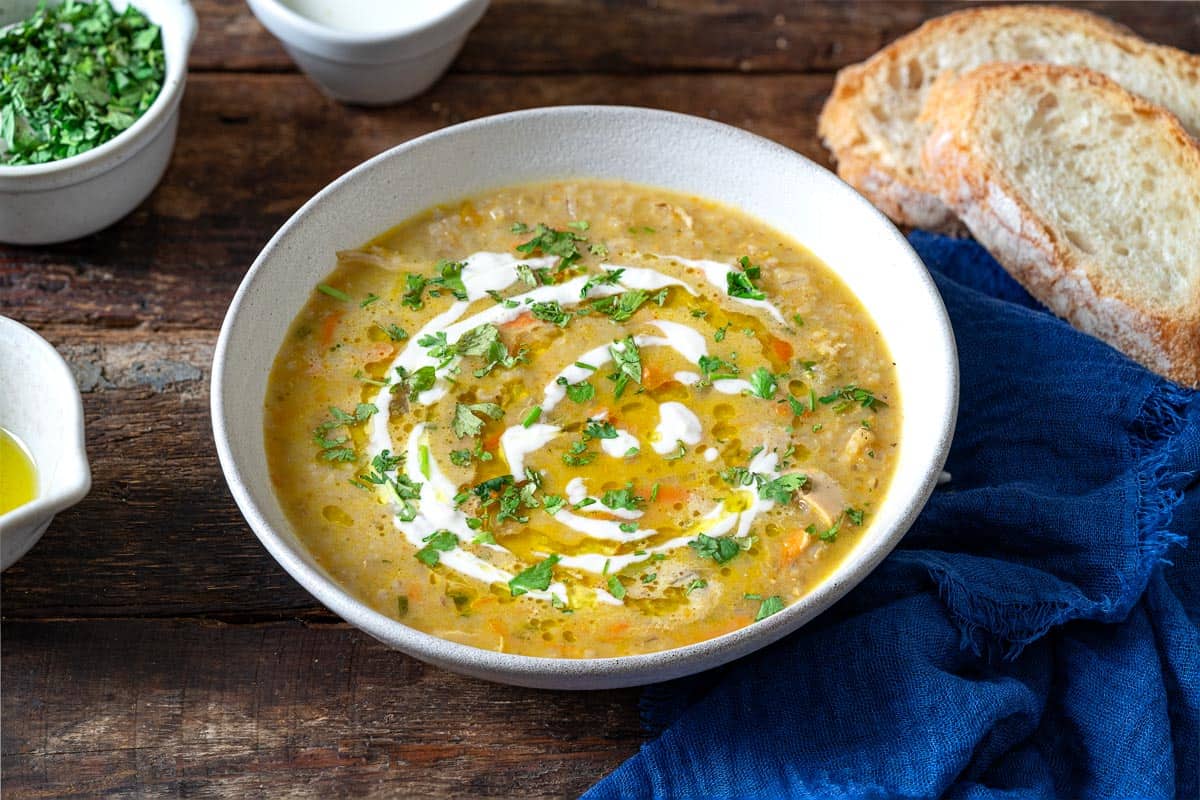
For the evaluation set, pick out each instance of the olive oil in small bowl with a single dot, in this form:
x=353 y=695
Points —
x=43 y=462
x=18 y=477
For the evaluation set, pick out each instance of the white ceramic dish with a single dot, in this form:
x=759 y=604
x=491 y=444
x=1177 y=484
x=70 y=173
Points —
x=40 y=403
x=386 y=66
x=77 y=196
x=656 y=148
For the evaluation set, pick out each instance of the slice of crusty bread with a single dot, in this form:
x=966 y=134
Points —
x=1088 y=195
x=870 y=120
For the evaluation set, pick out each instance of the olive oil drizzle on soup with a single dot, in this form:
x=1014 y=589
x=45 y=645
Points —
x=581 y=419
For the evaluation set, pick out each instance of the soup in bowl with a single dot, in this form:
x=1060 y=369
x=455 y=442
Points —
x=583 y=412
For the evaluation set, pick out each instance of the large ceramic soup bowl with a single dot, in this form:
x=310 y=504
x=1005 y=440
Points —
x=509 y=606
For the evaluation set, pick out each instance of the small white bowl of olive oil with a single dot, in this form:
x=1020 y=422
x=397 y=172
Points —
x=43 y=462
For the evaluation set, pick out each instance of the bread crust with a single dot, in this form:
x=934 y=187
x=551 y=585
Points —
x=904 y=194
x=1030 y=248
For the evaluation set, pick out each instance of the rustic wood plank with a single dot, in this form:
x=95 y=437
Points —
x=137 y=708
x=633 y=36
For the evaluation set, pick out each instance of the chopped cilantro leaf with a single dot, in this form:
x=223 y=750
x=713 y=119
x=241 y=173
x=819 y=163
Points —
x=782 y=489
x=846 y=396
x=771 y=605
x=628 y=359
x=741 y=283
x=581 y=392
x=437 y=543
x=762 y=383
x=551 y=242
x=467 y=423
x=719 y=549
x=535 y=578
x=616 y=588
x=610 y=276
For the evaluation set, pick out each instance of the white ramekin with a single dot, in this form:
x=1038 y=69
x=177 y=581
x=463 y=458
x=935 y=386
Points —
x=73 y=197
x=40 y=403
x=655 y=148
x=372 y=68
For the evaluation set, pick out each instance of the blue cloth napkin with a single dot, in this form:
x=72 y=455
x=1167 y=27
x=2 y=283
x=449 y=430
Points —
x=1037 y=632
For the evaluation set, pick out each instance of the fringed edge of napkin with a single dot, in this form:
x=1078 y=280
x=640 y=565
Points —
x=988 y=624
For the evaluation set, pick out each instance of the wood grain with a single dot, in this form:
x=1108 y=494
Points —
x=158 y=708
x=628 y=36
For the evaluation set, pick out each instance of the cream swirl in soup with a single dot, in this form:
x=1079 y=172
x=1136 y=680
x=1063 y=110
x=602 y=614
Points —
x=581 y=419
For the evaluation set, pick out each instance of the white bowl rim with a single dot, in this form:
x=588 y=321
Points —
x=571 y=673
x=61 y=496
x=336 y=36
x=174 y=78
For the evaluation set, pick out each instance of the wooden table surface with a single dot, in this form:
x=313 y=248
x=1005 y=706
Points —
x=151 y=647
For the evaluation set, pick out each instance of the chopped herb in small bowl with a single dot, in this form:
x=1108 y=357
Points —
x=73 y=76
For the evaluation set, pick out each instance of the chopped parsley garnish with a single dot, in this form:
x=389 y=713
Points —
x=845 y=398
x=798 y=406
x=532 y=277
x=553 y=503
x=696 y=583
x=369 y=299
x=616 y=588
x=599 y=429
x=414 y=288
x=466 y=420
x=551 y=242
x=719 y=549
x=762 y=383
x=579 y=224
x=551 y=311
x=519 y=227
x=531 y=416
x=421 y=380
x=74 y=76
x=628 y=359
x=649 y=577
x=341 y=448
x=715 y=368
x=450 y=276
x=394 y=332
x=382 y=464
x=799 y=320
x=581 y=392
x=621 y=307
x=437 y=543
x=782 y=489
x=855 y=515
x=741 y=283
x=336 y=294
x=771 y=605
x=578 y=455
x=535 y=578
x=609 y=277
x=719 y=333
x=622 y=498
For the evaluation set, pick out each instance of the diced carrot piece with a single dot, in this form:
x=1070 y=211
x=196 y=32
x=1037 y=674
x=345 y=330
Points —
x=379 y=351
x=519 y=323
x=793 y=547
x=654 y=377
x=671 y=493
x=782 y=349
x=328 y=326
x=617 y=628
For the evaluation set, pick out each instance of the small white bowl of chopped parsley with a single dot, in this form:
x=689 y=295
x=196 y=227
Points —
x=89 y=105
